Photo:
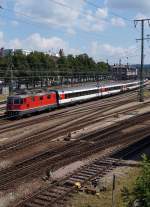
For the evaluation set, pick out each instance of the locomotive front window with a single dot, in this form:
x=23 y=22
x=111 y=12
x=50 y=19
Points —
x=21 y=101
x=16 y=101
x=10 y=101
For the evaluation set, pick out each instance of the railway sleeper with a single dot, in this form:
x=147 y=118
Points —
x=44 y=198
x=98 y=166
x=35 y=203
x=87 y=173
x=107 y=162
x=52 y=195
x=30 y=204
x=84 y=174
x=40 y=201
x=76 y=179
x=55 y=190
x=92 y=170
x=82 y=177
x=95 y=169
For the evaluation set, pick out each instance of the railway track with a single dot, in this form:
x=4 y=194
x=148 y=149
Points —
x=59 y=193
x=84 y=107
x=87 y=145
x=56 y=129
x=51 y=132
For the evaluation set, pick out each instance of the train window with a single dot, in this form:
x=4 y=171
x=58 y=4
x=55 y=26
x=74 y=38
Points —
x=16 y=101
x=10 y=101
x=49 y=96
x=21 y=101
x=41 y=98
x=81 y=93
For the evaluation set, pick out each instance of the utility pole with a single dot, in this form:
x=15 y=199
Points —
x=11 y=76
x=120 y=62
x=142 y=21
x=127 y=62
x=113 y=191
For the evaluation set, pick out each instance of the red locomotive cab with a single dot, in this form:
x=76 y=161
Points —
x=27 y=104
x=14 y=103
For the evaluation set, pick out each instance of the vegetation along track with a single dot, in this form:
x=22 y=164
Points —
x=72 y=123
x=57 y=157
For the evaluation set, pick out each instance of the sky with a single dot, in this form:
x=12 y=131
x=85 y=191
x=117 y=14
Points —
x=104 y=29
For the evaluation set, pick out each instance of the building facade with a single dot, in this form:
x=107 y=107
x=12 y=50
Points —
x=124 y=72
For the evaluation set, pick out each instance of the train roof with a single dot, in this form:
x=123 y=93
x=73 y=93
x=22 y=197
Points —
x=94 y=87
x=31 y=94
x=73 y=89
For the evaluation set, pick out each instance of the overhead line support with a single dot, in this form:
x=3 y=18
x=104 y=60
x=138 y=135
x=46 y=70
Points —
x=142 y=21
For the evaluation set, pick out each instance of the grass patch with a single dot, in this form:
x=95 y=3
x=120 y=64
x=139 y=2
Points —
x=125 y=179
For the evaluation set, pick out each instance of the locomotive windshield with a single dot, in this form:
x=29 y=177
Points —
x=10 y=101
x=15 y=101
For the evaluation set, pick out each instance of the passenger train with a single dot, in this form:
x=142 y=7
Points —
x=20 y=105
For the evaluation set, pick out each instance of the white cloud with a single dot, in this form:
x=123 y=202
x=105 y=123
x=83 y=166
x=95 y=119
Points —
x=14 y=43
x=97 y=50
x=56 y=13
x=140 y=16
x=37 y=42
x=136 y=5
x=94 y=22
x=51 y=12
x=71 y=31
x=14 y=23
x=104 y=51
x=2 y=41
x=102 y=12
x=118 y=22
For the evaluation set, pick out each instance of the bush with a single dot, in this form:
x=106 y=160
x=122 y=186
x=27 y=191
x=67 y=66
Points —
x=141 y=191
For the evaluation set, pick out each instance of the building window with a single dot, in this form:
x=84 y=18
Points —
x=16 y=101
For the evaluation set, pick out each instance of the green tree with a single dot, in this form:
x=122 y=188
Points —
x=142 y=187
x=102 y=67
x=141 y=190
